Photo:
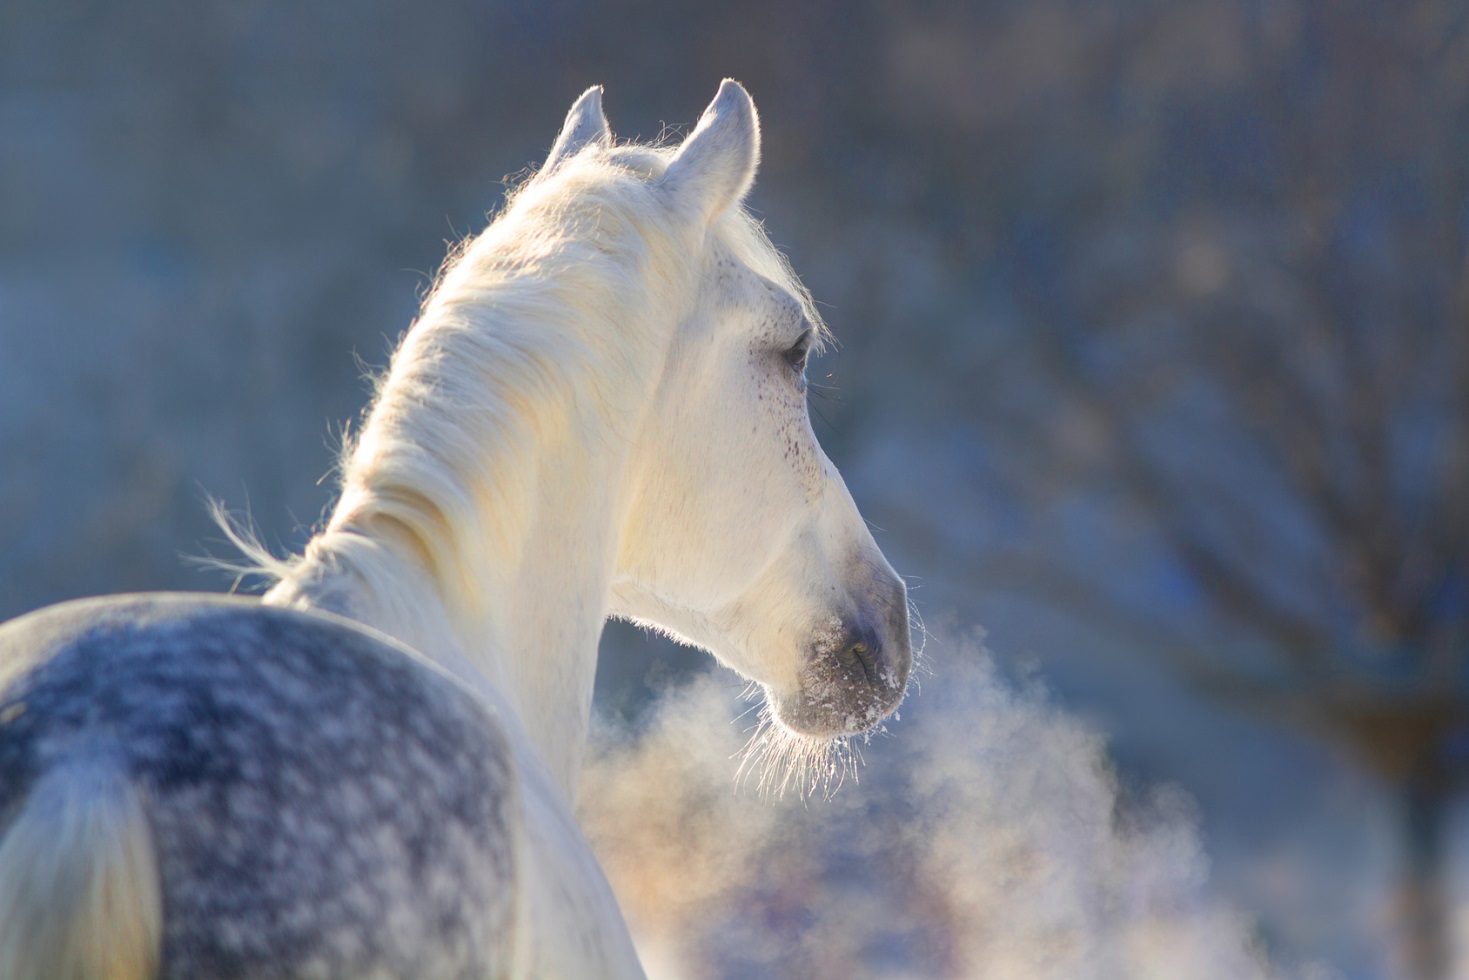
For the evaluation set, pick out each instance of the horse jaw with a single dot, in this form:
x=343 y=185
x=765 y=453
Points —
x=828 y=642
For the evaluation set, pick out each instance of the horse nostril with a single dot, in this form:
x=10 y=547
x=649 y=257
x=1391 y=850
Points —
x=861 y=653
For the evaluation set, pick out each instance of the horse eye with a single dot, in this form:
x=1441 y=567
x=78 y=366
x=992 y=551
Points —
x=796 y=354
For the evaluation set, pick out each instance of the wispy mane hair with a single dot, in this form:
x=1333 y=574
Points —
x=532 y=326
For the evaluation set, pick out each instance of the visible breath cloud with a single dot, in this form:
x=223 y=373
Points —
x=985 y=836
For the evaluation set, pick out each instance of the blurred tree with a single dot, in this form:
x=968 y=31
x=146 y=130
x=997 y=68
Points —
x=1243 y=320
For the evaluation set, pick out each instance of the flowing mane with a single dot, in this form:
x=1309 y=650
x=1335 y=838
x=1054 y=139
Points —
x=511 y=343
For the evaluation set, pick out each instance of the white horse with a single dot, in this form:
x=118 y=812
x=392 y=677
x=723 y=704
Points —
x=371 y=773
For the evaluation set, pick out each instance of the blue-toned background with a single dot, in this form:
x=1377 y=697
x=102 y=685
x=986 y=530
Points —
x=1154 y=349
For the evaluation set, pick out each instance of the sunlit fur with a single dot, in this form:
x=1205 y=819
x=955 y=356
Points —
x=513 y=342
x=523 y=474
x=535 y=331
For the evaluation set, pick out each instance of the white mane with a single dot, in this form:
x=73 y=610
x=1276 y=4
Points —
x=512 y=341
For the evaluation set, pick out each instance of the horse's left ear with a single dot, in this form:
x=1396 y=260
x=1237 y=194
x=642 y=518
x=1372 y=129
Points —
x=715 y=166
x=585 y=124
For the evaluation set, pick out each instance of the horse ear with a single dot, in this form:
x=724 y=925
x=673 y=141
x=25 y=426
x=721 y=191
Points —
x=715 y=166
x=585 y=124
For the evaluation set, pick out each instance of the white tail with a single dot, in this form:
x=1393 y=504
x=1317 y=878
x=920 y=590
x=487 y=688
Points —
x=79 y=892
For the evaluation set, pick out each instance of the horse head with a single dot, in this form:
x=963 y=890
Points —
x=739 y=535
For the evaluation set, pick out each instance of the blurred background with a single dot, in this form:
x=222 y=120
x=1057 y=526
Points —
x=1154 y=362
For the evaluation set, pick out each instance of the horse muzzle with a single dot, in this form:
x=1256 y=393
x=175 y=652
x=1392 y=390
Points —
x=857 y=669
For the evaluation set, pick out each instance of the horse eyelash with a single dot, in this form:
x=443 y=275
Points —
x=816 y=409
x=797 y=354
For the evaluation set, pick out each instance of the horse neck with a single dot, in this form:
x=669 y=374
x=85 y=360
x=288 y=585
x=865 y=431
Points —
x=498 y=569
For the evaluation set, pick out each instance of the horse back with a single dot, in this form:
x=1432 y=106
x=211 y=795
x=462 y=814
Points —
x=321 y=802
